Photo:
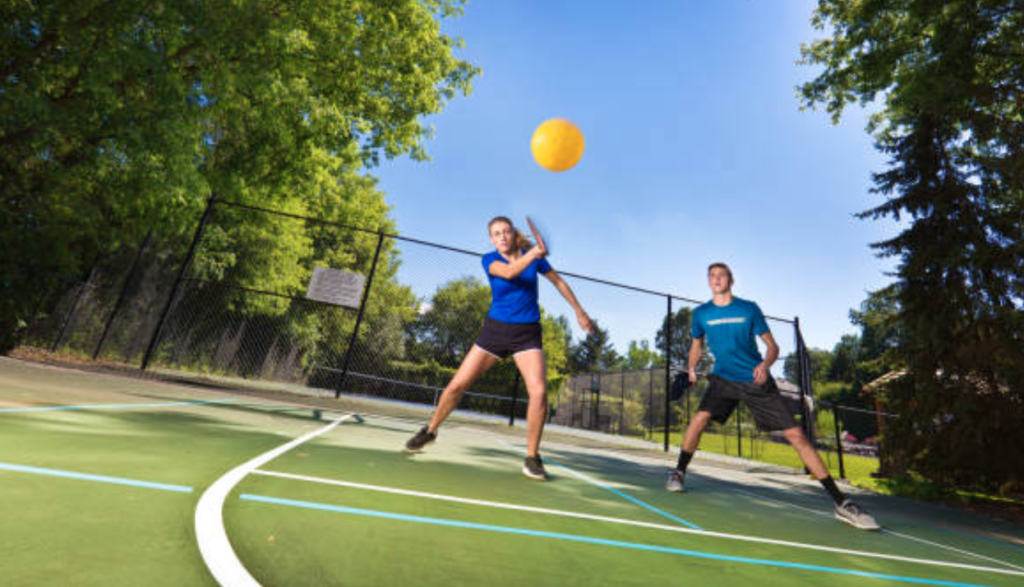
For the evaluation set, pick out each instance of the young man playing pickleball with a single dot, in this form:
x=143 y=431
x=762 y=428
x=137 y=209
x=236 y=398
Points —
x=730 y=325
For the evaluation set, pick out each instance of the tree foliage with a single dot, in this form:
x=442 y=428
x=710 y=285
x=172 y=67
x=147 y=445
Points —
x=118 y=117
x=681 y=338
x=820 y=364
x=640 y=355
x=946 y=78
x=449 y=322
x=595 y=352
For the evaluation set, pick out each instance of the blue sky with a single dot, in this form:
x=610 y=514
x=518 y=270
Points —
x=697 y=151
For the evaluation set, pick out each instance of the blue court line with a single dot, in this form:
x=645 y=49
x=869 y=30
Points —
x=601 y=541
x=621 y=494
x=114 y=406
x=90 y=477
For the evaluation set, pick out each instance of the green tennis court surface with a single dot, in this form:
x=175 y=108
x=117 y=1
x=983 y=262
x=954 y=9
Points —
x=103 y=476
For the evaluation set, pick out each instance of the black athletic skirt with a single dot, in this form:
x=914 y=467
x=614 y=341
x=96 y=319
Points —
x=502 y=339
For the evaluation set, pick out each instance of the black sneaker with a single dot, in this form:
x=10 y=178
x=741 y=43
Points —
x=533 y=468
x=420 y=440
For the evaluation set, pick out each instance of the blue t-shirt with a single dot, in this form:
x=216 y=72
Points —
x=730 y=334
x=514 y=301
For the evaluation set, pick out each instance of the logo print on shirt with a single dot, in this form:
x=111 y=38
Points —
x=718 y=321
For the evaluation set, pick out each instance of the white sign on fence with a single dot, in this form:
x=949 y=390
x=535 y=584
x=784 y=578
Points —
x=333 y=286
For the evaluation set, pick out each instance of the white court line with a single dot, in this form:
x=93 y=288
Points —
x=886 y=531
x=217 y=553
x=115 y=406
x=627 y=522
x=741 y=477
x=954 y=549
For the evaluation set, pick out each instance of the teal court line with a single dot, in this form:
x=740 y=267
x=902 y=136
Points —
x=628 y=497
x=621 y=494
x=114 y=406
x=645 y=525
x=91 y=477
x=601 y=541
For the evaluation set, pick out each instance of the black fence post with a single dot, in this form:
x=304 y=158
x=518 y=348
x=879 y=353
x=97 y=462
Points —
x=185 y=264
x=515 y=398
x=124 y=293
x=839 y=440
x=668 y=369
x=650 y=401
x=802 y=372
x=686 y=402
x=622 y=404
x=359 y=317
x=739 y=433
x=804 y=375
x=575 y=401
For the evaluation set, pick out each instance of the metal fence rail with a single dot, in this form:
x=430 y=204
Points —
x=225 y=305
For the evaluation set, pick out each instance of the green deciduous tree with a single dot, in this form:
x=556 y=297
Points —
x=820 y=363
x=557 y=338
x=116 y=117
x=845 y=356
x=640 y=355
x=449 y=322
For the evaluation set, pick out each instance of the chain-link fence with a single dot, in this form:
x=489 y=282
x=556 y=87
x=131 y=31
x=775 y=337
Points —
x=236 y=304
x=624 y=402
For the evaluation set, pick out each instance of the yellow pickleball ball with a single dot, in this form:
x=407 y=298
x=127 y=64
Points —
x=557 y=144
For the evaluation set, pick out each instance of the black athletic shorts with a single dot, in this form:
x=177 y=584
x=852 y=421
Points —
x=502 y=339
x=765 y=402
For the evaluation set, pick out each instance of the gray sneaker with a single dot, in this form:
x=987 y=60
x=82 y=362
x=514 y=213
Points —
x=675 y=481
x=853 y=515
x=420 y=440
x=533 y=468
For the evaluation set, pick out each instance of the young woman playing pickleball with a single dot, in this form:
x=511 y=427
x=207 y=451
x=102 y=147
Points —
x=512 y=327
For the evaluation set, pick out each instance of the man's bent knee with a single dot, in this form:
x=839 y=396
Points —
x=702 y=418
x=795 y=435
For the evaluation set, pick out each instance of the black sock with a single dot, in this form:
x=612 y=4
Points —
x=684 y=460
x=830 y=486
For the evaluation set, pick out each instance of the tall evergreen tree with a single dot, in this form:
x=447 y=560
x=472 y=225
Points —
x=594 y=353
x=947 y=77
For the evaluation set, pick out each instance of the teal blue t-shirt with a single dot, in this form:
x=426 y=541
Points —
x=731 y=332
x=514 y=301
